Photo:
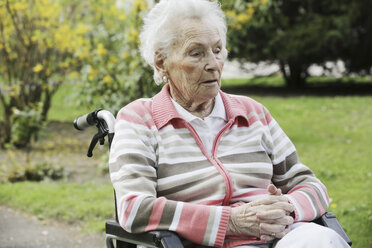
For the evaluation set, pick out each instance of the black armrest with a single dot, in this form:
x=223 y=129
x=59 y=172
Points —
x=164 y=239
x=330 y=220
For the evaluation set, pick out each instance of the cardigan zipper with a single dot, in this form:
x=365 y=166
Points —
x=214 y=160
x=228 y=184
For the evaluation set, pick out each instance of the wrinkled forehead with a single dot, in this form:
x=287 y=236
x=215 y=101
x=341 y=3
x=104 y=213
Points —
x=194 y=30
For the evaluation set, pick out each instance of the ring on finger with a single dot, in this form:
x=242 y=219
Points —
x=273 y=234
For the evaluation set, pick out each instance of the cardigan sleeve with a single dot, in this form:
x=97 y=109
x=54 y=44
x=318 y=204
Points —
x=298 y=183
x=133 y=172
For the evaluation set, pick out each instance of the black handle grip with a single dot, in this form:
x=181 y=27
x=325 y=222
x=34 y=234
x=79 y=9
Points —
x=86 y=120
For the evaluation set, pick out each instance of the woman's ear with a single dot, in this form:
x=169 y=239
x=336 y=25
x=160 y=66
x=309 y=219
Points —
x=159 y=61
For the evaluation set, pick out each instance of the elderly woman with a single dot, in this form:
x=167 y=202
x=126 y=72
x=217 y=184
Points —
x=213 y=167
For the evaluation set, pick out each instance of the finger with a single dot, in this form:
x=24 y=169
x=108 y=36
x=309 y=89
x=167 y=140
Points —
x=286 y=206
x=273 y=190
x=268 y=229
x=283 y=206
x=279 y=192
x=267 y=238
x=271 y=199
x=271 y=214
x=285 y=221
x=281 y=234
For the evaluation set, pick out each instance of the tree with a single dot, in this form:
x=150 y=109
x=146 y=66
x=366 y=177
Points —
x=49 y=42
x=114 y=72
x=295 y=33
x=358 y=56
x=38 y=40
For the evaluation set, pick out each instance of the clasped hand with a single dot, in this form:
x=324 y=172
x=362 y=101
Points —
x=267 y=218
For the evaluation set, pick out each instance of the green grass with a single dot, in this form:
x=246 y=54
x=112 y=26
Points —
x=333 y=137
x=278 y=81
x=64 y=107
x=87 y=205
x=255 y=81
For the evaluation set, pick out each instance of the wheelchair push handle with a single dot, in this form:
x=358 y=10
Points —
x=103 y=120
x=94 y=118
x=85 y=121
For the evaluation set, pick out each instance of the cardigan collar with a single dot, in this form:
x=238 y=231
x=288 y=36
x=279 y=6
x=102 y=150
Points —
x=164 y=111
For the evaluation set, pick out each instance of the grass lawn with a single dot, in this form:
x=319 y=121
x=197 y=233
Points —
x=88 y=205
x=278 y=81
x=332 y=136
x=63 y=106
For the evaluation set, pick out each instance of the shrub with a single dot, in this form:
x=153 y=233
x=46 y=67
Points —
x=31 y=172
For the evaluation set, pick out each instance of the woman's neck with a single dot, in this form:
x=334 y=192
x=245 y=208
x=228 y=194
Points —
x=201 y=110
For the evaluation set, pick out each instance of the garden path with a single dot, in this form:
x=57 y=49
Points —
x=18 y=230
x=60 y=144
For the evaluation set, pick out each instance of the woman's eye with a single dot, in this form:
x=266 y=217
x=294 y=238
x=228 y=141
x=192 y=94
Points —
x=217 y=51
x=195 y=54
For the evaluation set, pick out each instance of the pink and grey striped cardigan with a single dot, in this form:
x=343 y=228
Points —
x=166 y=180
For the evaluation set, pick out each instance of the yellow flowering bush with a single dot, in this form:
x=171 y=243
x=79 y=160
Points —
x=39 y=41
x=46 y=43
x=238 y=14
x=114 y=72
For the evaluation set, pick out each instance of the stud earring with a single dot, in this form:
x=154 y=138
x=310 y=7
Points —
x=165 y=79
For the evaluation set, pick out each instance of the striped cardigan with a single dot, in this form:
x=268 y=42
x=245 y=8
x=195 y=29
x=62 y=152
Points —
x=165 y=179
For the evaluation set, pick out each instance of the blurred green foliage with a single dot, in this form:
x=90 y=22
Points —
x=39 y=45
x=297 y=34
x=26 y=124
x=31 y=172
x=44 y=44
x=114 y=71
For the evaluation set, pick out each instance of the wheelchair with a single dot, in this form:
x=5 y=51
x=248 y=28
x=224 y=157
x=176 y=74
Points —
x=104 y=122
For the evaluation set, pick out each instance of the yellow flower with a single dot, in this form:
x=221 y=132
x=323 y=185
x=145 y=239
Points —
x=133 y=35
x=38 y=68
x=20 y=6
x=143 y=5
x=107 y=79
x=122 y=17
x=125 y=55
x=139 y=5
x=243 y=18
x=83 y=53
x=82 y=29
x=333 y=205
x=230 y=13
x=93 y=71
x=101 y=50
x=113 y=60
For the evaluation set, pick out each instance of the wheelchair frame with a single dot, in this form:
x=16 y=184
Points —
x=105 y=121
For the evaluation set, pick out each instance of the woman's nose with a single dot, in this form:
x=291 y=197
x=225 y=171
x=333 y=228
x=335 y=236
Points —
x=211 y=63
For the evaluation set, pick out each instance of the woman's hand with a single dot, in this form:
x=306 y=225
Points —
x=266 y=218
x=272 y=190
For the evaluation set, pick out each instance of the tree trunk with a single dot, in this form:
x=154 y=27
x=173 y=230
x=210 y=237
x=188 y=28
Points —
x=294 y=74
x=5 y=127
x=46 y=105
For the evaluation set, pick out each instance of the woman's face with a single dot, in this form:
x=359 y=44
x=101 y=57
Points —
x=195 y=62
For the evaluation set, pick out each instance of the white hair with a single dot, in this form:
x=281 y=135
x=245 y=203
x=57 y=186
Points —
x=159 y=31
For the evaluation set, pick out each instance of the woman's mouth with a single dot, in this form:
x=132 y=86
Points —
x=209 y=81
